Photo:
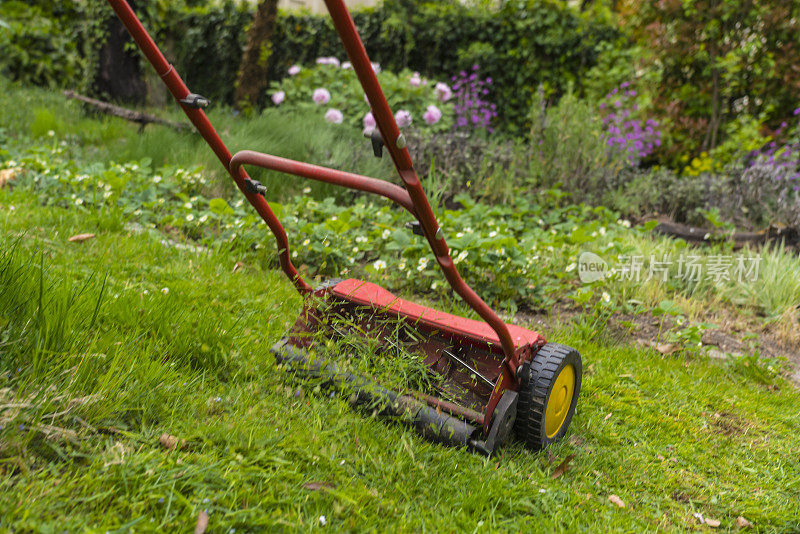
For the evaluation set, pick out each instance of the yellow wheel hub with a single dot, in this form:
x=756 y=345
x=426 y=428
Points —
x=560 y=400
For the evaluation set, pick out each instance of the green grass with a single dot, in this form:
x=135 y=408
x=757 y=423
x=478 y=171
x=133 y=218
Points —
x=671 y=436
x=107 y=344
x=36 y=113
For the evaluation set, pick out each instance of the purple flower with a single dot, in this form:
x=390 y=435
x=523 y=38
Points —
x=443 y=92
x=415 y=80
x=403 y=118
x=278 y=97
x=432 y=115
x=347 y=65
x=334 y=116
x=369 y=123
x=293 y=70
x=321 y=96
x=797 y=111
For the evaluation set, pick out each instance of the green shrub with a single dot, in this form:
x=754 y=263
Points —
x=38 y=46
x=347 y=96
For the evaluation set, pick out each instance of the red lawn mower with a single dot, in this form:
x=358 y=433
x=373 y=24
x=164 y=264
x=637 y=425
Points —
x=504 y=378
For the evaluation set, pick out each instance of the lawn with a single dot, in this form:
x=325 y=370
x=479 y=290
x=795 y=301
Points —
x=152 y=328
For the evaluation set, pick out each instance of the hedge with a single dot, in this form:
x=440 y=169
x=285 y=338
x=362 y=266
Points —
x=521 y=44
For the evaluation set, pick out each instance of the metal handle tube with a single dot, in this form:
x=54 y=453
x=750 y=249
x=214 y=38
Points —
x=179 y=91
x=345 y=26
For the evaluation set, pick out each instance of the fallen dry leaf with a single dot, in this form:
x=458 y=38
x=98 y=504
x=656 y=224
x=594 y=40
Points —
x=741 y=522
x=202 y=522
x=316 y=486
x=238 y=265
x=666 y=348
x=616 y=500
x=713 y=523
x=562 y=467
x=170 y=442
x=80 y=238
x=606 y=418
x=7 y=175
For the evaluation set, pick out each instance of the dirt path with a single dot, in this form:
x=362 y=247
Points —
x=733 y=336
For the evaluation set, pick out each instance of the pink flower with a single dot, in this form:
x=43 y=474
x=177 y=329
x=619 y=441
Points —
x=403 y=118
x=369 y=121
x=334 y=116
x=321 y=96
x=293 y=70
x=415 y=80
x=432 y=115
x=278 y=97
x=347 y=65
x=328 y=61
x=443 y=92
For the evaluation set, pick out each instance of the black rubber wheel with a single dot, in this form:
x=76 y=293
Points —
x=548 y=395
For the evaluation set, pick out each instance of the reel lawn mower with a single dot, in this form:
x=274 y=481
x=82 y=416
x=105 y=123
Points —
x=503 y=377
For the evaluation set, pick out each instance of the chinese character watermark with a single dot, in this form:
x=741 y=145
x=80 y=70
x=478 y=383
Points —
x=690 y=268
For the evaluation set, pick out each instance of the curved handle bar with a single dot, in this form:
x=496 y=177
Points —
x=384 y=189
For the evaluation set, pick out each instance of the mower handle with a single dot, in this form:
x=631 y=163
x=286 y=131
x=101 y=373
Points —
x=395 y=144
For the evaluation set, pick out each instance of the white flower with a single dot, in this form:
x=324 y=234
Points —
x=361 y=239
x=322 y=520
x=624 y=222
x=306 y=190
x=386 y=233
x=423 y=263
x=190 y=217
x=306 y=242
x=355 y=250
x=203 y=219
x=602 y=230
x=165 y=290
x=461 y=256
x=351 y=259
x=606 y=297
x=492 y=233
x=570 y=267
x=188 y=205
x=50 y=133
x=379 y=264
x=334 y=116
x=156 y=179
x=402 y=265
x=78 y=201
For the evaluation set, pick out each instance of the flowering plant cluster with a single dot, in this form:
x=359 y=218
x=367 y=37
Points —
x=331 y=88
x=783 y=157
x=473 y=111
x=625 y=132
